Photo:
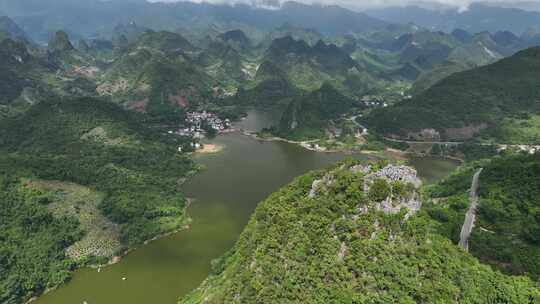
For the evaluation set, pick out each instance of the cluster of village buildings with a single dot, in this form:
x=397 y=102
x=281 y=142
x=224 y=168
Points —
x=375 y=104
x=530 y=149
x=197 y=124
x=373 y=101
x=196 y=121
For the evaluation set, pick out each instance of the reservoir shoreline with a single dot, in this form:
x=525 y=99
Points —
x=224 y=195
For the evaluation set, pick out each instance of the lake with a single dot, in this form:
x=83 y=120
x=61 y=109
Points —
x=225 y=194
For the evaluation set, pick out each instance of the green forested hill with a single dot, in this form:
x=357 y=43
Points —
x=310 y=36
x=236 y=38
x=225 y=61
x=97 y=144
x=271 y=87
x=158 y=85
x=327 y=239
x=29 y=75
x=428 y=78
x=60 y=42
x=308 y=67
x=60 y=144
x=499 y=97
x=18 y=70
x=82 y=179
x=9 y=29
x=15 y=71
x=507 y=231
x=307 y=116
x=164 y=41
x=32 y=243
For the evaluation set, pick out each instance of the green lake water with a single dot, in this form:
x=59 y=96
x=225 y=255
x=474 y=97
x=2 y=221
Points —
x=225 y=194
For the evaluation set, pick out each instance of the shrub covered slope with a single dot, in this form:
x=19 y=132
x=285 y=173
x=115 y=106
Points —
x=327 y=238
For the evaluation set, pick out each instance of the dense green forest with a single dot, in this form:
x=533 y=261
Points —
x=92 y=143
x=498 y=96
x=324 y=239
x=95 y=143
x=508 y=225
x=16 y=75
x=32 y=244
x=307 y=116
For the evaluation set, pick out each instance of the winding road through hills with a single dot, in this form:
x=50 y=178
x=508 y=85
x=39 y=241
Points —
x=470 y=217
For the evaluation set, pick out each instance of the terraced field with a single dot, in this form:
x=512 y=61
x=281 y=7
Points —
x=73 y=200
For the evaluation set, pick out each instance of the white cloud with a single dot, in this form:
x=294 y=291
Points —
x=362 y=4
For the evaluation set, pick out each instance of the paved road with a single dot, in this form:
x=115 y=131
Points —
x=500 y=146
x=424 y=142
x=353 y=119
x=470 y=217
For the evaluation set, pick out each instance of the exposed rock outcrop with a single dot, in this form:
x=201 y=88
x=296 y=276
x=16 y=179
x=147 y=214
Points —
x=394 y=176
x=394 y=203
x=464 y=133
x=394 y=173
x=319 y=184
x=425 y=135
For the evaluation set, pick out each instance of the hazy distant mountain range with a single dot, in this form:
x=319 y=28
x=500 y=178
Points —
x=96 y=18
x=477 y=18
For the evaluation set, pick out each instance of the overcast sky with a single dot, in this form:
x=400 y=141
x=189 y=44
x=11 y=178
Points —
x=362 y=4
